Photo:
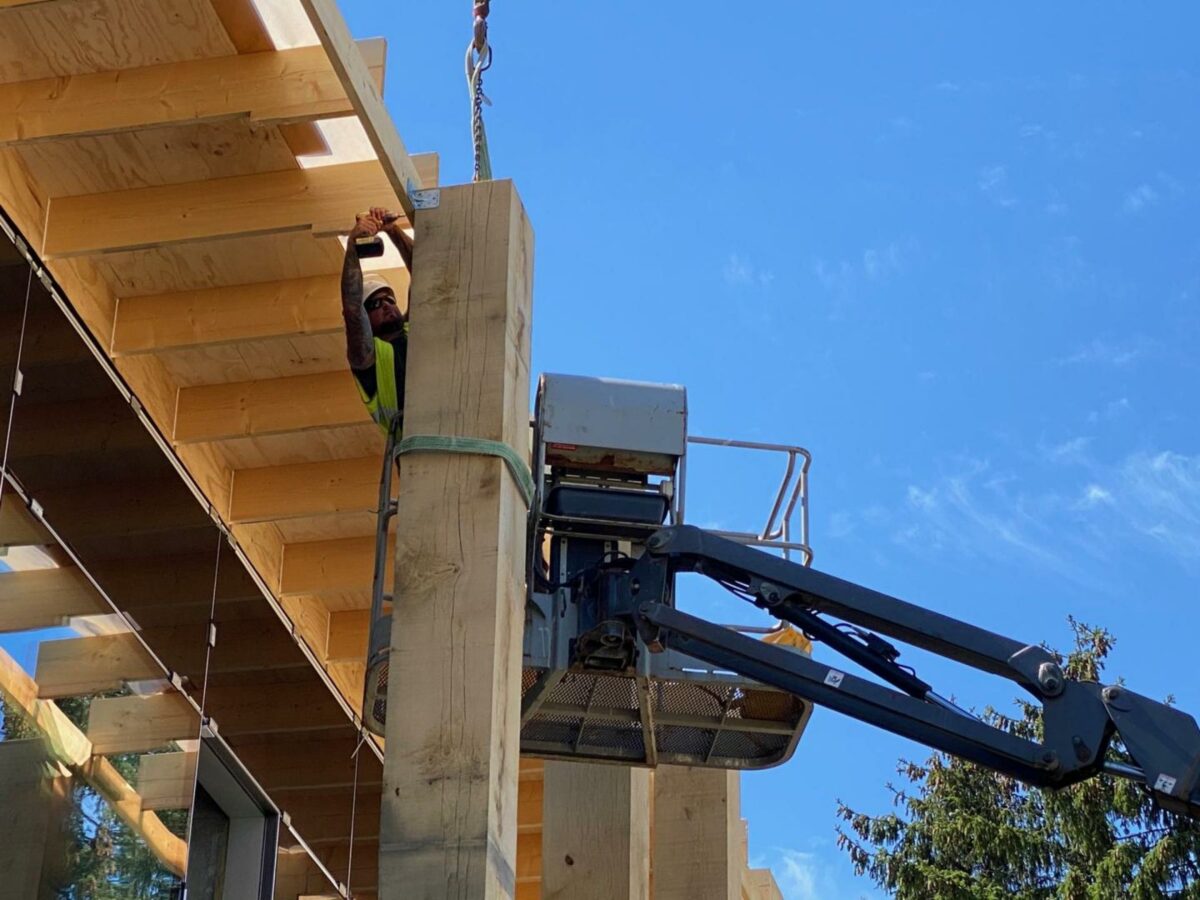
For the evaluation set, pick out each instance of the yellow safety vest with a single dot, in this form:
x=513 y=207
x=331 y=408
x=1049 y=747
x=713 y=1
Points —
x=385 y=405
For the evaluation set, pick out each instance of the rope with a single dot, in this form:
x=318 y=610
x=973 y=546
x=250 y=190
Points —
x=434 y=443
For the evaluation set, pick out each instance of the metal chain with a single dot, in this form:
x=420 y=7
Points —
x=479 y=60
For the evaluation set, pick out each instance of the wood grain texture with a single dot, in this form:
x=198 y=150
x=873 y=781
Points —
x=251 y=408
x=347 y=641
x=137 y=724
x=243 y=205
x=226 y=315
x=92 y=665
x=453 y=700
x=305 y=489
x=595 y=832
x=63 y=740
x=696 y=834
x=323 y=567
x=366 y=99
x=267 y=88
x=70 y=37
x=46 y=598
x=167 y=780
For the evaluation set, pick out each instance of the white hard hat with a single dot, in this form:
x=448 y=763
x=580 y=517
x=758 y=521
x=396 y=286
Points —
x=373 y=282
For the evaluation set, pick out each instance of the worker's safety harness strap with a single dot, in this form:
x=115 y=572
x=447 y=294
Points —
x=434 y=443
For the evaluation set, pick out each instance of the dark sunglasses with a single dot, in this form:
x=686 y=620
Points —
x=377 y=300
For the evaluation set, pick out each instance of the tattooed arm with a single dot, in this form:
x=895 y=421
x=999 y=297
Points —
x=390 y=223
x=360 y=345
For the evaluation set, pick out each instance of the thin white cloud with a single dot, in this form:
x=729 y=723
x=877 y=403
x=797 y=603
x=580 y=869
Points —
x=1071 y=450
x=874 y=266
x=951 y=513
x=1140 y=198
x=1100 y=352
x=883 y=262
x=1160 y=494
x=1070 y=526
x=801 y=874
x=841 y=524
x=739 y=271
x=1114 y=409
x=993 y=184
x=1094 y=495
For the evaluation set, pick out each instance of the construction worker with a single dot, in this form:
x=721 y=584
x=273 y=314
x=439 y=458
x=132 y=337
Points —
x=376 y=327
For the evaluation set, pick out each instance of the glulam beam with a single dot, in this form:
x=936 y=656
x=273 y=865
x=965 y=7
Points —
x=237 y=206
x=348 y=633
x=221 y=412
x=91 y=665
x=299 y=490
x=321 y=567
x=228 y=315
x=356 y=80
x=139 y=723
x=167 y=780
x=268 y=88
x=46 y=598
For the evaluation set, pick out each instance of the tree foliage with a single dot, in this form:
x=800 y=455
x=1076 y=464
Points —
x=105 y=859
x=959 y=830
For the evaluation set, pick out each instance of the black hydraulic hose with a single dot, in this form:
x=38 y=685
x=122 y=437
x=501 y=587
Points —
x=832 y=636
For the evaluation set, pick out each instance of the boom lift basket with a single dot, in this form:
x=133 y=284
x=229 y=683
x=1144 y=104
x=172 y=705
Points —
x=608 y=465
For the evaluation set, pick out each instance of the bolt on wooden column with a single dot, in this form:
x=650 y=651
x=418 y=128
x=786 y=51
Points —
x=697 y=832
x=595 y=832
x=449 y=816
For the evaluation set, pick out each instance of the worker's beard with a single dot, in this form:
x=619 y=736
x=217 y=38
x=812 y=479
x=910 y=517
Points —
x=389 y=331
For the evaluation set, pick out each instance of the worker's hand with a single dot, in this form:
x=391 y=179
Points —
x=388 y=220
x=365 y=225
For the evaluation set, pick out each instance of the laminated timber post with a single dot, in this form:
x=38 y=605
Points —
x=595 y=832
x=697 y=834
x=449 y=814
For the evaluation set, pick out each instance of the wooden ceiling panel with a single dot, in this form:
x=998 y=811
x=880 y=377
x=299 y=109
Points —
x=136 y=159
x=207 y=264
x=320 y=528
x=257 y=360
x=306 y=446
x=69 y=38
x=318 y=200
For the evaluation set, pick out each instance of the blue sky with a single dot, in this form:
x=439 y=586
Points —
x=952 y=250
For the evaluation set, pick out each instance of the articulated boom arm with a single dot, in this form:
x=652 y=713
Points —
x=1080 y=718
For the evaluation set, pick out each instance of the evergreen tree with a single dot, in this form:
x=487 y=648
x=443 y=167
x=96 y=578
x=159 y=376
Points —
x=105 y=859
x=962 y=831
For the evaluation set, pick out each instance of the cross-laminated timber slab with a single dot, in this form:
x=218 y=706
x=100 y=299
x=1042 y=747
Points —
x=268 y=88
x=449 y=820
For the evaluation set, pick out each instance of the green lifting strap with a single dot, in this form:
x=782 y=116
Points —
x=435 y=443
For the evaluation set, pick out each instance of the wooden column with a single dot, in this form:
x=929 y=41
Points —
x=697 y=830
x=449 y=816
x=595 y=832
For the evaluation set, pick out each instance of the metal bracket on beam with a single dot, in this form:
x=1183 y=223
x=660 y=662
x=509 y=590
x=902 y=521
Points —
x=430 y=199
